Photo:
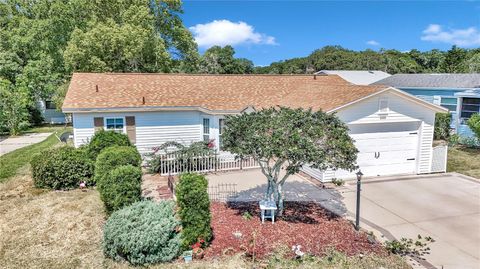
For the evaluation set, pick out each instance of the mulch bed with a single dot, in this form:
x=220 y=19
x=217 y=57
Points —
x=305 y=224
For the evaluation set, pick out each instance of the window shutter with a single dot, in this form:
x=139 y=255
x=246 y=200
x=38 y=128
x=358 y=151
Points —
x=98 y=123
x=131 y=129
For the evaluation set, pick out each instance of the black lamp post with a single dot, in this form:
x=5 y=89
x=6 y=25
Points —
x=359 y=185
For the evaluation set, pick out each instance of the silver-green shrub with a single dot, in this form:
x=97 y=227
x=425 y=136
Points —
x=145 y=232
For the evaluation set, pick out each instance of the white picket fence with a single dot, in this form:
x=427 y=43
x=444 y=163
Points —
x=439 y=159
x=173 y=163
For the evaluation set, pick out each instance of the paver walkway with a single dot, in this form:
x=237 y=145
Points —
x=12 y=143
x=155 y=187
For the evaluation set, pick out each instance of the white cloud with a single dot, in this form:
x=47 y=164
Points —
x=467 y=37
x=225 y=32
x=373 y=43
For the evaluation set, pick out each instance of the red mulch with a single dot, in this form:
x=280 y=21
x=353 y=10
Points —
x=305 y=224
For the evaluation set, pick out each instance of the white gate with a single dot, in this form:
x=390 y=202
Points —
x=439 y=159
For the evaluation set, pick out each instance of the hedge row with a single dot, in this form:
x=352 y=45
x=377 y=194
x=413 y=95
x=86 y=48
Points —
x=66 y=167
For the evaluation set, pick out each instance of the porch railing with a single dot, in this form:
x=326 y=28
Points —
x=174 y=163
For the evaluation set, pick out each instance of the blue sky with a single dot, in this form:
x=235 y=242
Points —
x=268 y=31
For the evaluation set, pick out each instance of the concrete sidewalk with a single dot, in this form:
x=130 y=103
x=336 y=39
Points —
x=445 y=207
x=12 y=143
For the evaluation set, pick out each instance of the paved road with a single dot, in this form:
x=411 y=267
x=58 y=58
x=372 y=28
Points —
x=13 y=143
x=446 y=207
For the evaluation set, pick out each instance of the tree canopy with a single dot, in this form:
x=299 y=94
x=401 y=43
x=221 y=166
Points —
x=43 y=41
x=283 y=139
x=455 y=60
x=218 y=60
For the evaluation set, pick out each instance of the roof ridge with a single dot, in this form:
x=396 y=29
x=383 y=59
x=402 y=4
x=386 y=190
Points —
x=200 y=74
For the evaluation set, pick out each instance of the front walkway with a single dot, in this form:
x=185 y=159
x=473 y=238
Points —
x=12 y=143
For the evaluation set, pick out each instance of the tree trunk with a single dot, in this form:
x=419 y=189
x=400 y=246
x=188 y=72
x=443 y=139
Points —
x=268 y=194
x=279 y=200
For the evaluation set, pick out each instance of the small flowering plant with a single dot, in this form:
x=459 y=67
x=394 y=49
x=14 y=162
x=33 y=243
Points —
x=198 y=247
x=297 y=251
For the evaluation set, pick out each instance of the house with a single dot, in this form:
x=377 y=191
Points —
x=393 y=130
x=459 y=93
x=357 y=77
x=50 y=113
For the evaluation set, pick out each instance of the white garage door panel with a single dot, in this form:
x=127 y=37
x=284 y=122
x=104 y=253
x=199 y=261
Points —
x=385 y=149
x=407 y=142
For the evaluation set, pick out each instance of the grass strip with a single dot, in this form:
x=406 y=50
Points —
x=12 y=161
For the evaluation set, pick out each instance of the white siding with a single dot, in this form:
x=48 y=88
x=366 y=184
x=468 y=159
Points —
x=400 y=110
x=152 y=128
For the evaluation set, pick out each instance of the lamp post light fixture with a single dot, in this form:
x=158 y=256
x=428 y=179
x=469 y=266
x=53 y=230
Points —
x=359 y=185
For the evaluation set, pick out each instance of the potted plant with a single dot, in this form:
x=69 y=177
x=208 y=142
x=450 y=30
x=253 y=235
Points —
x=187 y=256
x=197 y=249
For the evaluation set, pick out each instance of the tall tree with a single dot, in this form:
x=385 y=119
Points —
x=218 y=60
x=283 y=139
x=453 y=60
x=43 y=41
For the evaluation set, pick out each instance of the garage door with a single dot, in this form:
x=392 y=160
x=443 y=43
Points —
x=385 y=149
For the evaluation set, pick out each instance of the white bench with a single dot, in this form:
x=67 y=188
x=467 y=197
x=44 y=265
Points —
x=267 y=209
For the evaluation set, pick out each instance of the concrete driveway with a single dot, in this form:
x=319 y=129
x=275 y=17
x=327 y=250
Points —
x=445 y=207
x=13 y=143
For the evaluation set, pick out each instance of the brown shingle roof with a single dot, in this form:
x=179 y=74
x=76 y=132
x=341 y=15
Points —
x=212 y=92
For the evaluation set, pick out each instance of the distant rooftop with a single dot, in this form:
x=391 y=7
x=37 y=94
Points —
x=432 y=80
x=357 y=77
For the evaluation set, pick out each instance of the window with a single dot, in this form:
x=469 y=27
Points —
x=383 y=105
x=470 y=106
x=221 y=126
x=449 y=103
x=114 y=124
x=206 y=130
x=50 y=105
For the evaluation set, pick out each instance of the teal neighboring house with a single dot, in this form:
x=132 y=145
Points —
x=459 y=93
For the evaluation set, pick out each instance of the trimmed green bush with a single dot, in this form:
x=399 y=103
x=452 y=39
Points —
x=121 y=187
x=115 y=156
x=194 y=204
x=61 y=168
x=142 y=233
x=474 y=124
x=442 y=126
x=104 y=139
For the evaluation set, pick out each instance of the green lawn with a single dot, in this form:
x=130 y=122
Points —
x=464 y=160
x=45 y=128
x=48 y=128
x=12 y=161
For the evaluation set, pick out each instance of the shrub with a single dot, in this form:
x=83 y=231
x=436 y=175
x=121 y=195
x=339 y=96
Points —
x=61 y=168
x=338 y=182
x=442 y=126
x=474 y=124
x=142 y=233
x=194 y=204
x=105 y=139
x=120 y=187
x=115 y=156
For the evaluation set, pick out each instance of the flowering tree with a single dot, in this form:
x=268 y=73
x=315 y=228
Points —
x=282 y=140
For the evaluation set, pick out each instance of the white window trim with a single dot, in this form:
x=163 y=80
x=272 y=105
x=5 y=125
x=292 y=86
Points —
x=209 y=134
x=387 y=108
x=124 y=130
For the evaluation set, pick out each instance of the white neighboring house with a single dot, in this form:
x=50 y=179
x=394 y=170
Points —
x=357 y=77
x=393 y=130
x=50 y=113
